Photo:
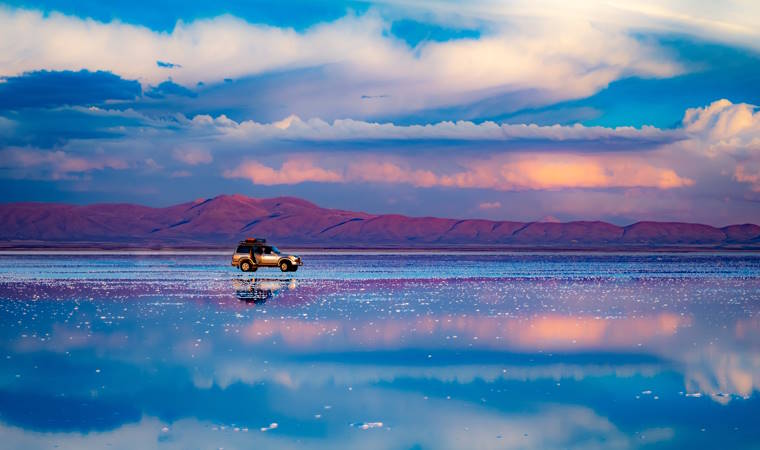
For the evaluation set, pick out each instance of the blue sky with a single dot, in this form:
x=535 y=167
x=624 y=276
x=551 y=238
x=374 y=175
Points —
x=504 y=110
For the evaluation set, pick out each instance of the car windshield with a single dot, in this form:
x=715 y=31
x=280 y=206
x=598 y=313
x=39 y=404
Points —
x=275 y=250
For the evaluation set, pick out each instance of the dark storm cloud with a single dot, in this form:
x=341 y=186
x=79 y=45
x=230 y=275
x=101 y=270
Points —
x=169 y=88
x=58 y=88
x=49 y=127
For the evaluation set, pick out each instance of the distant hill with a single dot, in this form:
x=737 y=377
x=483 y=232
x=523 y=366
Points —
x=292 y=222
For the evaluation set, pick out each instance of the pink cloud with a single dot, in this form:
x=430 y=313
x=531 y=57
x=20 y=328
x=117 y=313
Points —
x=374 y=171
x=59 y=163
x=292 y=171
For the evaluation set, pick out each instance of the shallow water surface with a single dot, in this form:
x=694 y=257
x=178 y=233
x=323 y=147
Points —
x=381 y=351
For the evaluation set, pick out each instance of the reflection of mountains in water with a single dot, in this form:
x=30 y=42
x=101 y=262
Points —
x=259 y=290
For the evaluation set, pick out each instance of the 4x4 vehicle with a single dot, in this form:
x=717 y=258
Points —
x=254 y=253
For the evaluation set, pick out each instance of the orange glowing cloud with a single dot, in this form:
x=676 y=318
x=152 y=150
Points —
x=556 y=171
x=506 y=173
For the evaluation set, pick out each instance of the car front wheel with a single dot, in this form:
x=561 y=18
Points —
x=284 y=266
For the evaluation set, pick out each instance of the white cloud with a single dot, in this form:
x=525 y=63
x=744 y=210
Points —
x=724 y=123
x=545 y=426
x=732 y=21
x=294 y=128
x=555 y=57
x=730 y=132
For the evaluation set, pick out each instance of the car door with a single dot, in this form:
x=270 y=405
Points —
x=241 y=252
x=258 y=255
x=268 y=257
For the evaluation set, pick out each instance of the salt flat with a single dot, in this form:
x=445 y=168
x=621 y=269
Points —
x=378 y=350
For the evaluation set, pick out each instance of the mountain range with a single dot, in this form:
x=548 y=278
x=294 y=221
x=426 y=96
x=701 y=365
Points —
x=291 y=222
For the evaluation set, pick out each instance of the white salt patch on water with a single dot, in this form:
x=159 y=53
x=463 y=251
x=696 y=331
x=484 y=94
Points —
x=271 y=426
x=367 y=425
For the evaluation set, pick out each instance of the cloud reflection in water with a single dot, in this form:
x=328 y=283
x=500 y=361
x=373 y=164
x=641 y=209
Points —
x=550 y=361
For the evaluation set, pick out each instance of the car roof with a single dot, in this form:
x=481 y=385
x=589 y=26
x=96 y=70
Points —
x=253 y=241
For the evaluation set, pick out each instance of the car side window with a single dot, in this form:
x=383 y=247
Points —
x=243 y=249
x=258 y=250
x=268 y=250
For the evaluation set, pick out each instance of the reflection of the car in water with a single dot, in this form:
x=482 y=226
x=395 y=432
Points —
x=259 y=290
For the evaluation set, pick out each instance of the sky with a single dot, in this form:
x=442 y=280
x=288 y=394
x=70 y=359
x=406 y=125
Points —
x=509 y=110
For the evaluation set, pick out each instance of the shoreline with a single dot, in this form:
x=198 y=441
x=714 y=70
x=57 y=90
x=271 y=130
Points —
x=112 y=248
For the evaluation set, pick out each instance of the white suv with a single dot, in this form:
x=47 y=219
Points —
x=254 y=253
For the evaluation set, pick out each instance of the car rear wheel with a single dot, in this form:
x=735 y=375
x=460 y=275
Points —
x=246 y=266
x=285 y=266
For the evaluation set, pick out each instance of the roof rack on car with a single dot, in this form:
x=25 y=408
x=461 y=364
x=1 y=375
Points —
x=254 y=241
